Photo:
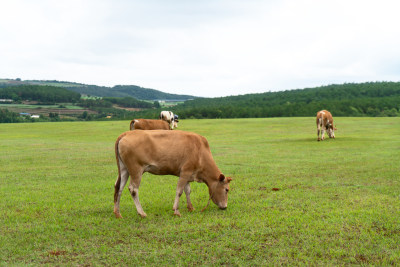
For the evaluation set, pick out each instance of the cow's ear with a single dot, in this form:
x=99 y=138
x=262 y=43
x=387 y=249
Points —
x=221 y=177
x=228 y=179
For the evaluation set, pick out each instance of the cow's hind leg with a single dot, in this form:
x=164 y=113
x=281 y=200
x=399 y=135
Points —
x=123 y=177
x=318 y=128
x=134 y=190
x=187 y=193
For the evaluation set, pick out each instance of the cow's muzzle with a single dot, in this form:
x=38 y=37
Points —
x=223 y=207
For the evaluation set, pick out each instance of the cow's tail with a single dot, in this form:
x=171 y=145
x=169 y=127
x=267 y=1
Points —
x=118 y=182
x=131 y=126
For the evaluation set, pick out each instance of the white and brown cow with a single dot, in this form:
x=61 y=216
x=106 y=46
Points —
x=145 y=124
x=325 y=123
x=169 y=117
x=191 y=160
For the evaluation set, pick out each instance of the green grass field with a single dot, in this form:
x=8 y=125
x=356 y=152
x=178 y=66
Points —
x=338 y=201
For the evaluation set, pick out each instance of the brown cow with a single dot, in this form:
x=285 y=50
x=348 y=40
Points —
x=144 y=124
x=191 y=160
x=325 y=121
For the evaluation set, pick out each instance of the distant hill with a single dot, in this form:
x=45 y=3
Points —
x=128 y=90
x=44 y=94
x=102 y=91
x=351 y=99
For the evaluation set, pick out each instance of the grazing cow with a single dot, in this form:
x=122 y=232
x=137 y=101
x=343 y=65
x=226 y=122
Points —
x=144 y=124
x=150 y=151
x=169 y=117
x=325 y=123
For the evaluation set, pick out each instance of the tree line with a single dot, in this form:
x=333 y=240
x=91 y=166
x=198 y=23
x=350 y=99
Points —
x=127 y=91
x=44 y=94
x=371 y=99
x=365 y=99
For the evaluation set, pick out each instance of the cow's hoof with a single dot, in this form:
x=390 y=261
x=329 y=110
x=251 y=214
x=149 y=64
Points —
x=177 y=213
x=118 y=215
x=190 y=208
x=143 y=215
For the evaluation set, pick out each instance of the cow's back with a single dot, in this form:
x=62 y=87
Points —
x=324 y=117
x=166 y=150
x=147 y=124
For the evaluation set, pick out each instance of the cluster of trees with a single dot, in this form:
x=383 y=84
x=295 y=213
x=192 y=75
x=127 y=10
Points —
x=130 y=102
x=7 y=116
x=107 y=102
x=43 y=94
x=146 y=93
x=94 y=103
x=127 y=91
x=366 y=99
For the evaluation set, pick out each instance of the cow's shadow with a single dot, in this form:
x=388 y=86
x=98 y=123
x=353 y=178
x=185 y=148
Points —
x=327 y=139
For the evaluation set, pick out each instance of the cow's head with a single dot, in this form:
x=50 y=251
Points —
x=331 y=131
x=176 y=120
x=219 y=191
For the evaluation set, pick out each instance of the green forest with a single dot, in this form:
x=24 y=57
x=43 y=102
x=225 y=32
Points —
x=364 y=99
x=371 y=99
x=367 y=99
x=101 y=91
x=127 y=91
x=43 y=94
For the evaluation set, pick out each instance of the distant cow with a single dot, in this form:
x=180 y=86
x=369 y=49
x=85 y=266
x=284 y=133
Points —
x=144 y=124
x=325 y=123
x=150 y=151
x=169 y=117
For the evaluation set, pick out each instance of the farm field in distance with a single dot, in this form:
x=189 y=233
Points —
x=65 y=110
x=293 y=200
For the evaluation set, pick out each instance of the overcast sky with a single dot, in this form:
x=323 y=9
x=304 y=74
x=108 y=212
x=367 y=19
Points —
x=205 y=47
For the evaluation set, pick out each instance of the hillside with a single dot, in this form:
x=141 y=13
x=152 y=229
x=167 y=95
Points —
x=102 y=91
x=128 y=90
x=44 y=94
x=363 y=99
x=370 y=99
x=27 y=102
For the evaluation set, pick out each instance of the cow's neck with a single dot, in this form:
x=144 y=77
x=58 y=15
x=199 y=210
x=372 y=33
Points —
x=209 y=175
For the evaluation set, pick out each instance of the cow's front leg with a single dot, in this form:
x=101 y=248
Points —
x=179 y=190
x=187 y=193
x=323 y=134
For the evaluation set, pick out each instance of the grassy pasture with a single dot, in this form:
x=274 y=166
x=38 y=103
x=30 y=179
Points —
x=338 y=201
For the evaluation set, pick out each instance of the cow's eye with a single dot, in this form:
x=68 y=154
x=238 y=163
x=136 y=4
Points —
x=227 y=190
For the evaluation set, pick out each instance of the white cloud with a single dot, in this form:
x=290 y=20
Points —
x=207 y=48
